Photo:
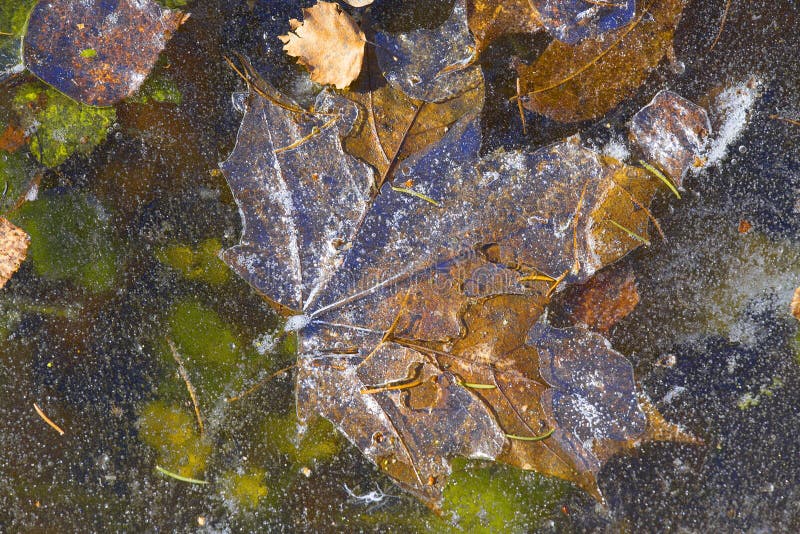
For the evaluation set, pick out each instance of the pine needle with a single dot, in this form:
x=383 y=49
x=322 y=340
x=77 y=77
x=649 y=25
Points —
x=417 y=194
x=185 y=376
x=661 y=176
x=47 y=419
x=631 y=233
x=182 y=478
x=473 y=385
x=721 y=25
x=532 y=438
x=537 y=278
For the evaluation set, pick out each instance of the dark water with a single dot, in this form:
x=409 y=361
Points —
x=90 y=347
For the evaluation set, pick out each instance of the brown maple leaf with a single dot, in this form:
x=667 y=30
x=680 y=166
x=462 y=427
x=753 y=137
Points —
x=416 y=294
x=13 y=249
x=328 y=42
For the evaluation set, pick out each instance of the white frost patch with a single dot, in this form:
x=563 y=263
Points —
x=135 y=80
x=33 y=192
x=265 y=343
x=296 y=322
x=672 y=394
x=732 y=110
x=617 y=149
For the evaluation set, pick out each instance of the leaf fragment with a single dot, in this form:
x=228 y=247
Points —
x=571 y=83
x=13 y=249
x=94 y=51
x=672 y=132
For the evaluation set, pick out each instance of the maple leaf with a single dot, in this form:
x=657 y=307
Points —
x=571 y=83
x=97 y=52
x=349 y=264
x=410 y=299
x=13 y=249
x=328 y=42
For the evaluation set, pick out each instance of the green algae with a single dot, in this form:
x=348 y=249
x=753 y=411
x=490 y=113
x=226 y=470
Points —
x=199 y=263
x=13 y=21
x=158 y=88
x=71 y=239
x=318 y=441
x=498 y=498
x=751 y=400
x=248 y=489
x=17 y=170
x=216 y=357
x=173 y=433
x=59 y=126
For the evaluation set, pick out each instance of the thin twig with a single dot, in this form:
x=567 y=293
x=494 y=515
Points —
x=47 y=419
x=261 y=383
x=521 y=110
x=785 y=119
x=185 y=376
x=721 y=25
x=314 y=132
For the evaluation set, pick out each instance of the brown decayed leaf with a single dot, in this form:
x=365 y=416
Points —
x=328 y=42
x=12 y=138
x=13 y=249
x=94 y=51
x=584 y=81
x=399 y=301
x=489 y=19
x=406 y=298
x=795 y=305
x=604 y=300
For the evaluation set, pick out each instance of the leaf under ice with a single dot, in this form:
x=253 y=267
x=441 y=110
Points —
x=416 y=294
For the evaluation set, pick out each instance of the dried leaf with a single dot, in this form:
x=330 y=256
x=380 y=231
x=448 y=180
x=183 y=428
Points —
x=94 y=51
x=672 y=133
x=385 y=281
x=581 y=82
x=328 y=42
x=13 y=249
x=12 y=139
x=416 y=306
x=795 y=305
x=391 y=126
